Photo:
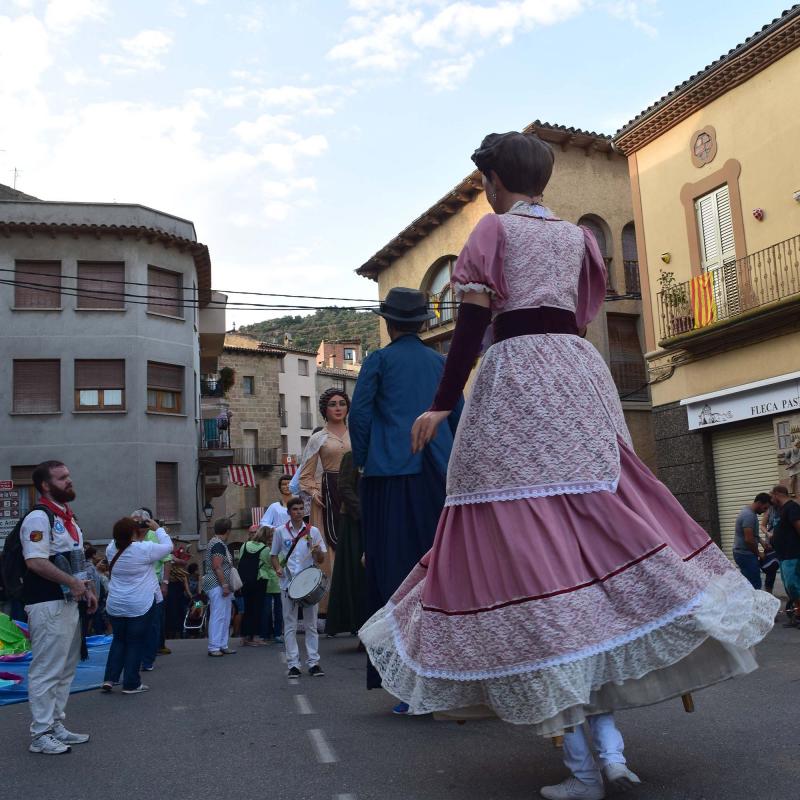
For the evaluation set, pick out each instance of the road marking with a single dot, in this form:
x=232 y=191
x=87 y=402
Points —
x=323 y=750
x=344 y=797
x=303 y=705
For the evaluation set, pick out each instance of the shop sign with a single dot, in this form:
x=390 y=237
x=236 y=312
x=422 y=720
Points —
x=780 y=395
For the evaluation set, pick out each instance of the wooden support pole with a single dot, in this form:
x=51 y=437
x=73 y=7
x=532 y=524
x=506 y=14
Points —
x=688 y=702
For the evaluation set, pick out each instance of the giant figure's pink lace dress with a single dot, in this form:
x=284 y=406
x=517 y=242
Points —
x=564 y=579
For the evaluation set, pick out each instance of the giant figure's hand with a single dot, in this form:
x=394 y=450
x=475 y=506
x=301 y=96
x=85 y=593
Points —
x=425 y=427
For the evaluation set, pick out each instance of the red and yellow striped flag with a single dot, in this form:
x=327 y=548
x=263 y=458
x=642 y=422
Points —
x=704 y=305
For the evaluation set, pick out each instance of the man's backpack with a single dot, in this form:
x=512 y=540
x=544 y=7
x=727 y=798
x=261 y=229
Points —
x=13 y=561
x=249 y=564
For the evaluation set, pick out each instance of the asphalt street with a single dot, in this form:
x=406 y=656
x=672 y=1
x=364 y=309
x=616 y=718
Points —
x=237 y=728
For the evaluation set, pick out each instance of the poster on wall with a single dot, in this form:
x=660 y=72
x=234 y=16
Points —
x=787 y=438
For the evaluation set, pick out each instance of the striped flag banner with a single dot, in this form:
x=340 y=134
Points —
x=242 y=475
x=704 y=304
x=289 y=465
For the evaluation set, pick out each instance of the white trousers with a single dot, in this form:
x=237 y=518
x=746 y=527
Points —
x=219 y=619
x=607 y=741
x=290 y=611
x=55 y=630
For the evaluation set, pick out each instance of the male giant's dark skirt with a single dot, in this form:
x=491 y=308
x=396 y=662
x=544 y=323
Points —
x=399 y=516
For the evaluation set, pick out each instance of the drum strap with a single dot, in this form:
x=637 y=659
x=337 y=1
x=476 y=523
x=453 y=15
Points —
x=296 y=542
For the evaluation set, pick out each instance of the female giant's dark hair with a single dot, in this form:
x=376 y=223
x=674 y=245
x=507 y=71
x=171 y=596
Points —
x=522 y=161
x=326 y=396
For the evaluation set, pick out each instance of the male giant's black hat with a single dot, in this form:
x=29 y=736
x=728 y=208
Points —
x=405 y=305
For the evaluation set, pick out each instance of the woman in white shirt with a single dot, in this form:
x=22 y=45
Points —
x=131 y=598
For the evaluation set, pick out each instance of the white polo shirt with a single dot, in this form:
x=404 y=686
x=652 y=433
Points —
x=301 y=557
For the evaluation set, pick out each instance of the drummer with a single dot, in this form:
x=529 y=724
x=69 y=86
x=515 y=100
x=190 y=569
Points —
x=295 y=547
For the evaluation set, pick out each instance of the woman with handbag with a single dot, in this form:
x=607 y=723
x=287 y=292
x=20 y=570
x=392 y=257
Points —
x=220 y=581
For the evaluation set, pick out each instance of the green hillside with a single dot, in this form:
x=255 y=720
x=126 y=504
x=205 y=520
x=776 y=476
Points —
x=329 y=323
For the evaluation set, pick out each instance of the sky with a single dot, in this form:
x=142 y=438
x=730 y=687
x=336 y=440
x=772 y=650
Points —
x=300 y=136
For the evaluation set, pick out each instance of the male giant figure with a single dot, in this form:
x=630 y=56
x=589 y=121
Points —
x=402 y=494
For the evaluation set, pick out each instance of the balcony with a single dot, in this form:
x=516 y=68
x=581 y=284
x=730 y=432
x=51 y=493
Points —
x=259 y=457
x=633 y=285
x=215 y=443
x=757 y=285
x=443 y=306
x=306 y=420
x=210 y=387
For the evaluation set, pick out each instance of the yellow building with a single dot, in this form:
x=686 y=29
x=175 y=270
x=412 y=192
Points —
x=715 y=177
x=590 y=185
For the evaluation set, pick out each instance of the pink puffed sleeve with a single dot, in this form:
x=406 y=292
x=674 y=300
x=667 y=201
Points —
x=480 y=265
x=592 y=281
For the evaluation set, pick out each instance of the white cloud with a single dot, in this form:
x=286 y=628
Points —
x=631 y=11
x=80 y=77
x=251 y=21
x=384 y=45
x=284 y=156
x=265 y=126
x=448 y=74
x=65 y=16
x=141 y=53
x=24 y=55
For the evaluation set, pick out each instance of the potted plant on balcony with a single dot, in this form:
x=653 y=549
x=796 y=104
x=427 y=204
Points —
x=675 y=304
x=227 y=378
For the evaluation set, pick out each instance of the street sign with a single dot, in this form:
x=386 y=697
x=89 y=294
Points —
x=6 y=485
x=9 y=509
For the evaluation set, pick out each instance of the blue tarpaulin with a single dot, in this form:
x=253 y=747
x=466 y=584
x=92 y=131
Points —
x=89 y=674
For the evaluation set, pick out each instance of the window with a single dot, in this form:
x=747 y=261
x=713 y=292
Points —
x=627 y=362
x=165 y=292
x=440 y=294
x=284 y=417
x=784 y=431
x=101 y=285
x=303 y=442
x=718 y=248
x=164 y=387
x=23 y=483
x=282 y=365
x=37 y=387
x=630 y=260
x=306 y=420
x=167 y=491
x=285 y=445
x=99 y=384
x=302 y=366
x=248 y=384
x=349 y=354
x=37 y=284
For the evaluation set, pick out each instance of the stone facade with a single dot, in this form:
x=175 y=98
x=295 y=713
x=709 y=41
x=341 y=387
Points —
x=331 y=354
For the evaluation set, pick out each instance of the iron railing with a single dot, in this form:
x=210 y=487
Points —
x=632 y=282
x=256 y=457
x=210 y=387
x=443 y=306
x=213 y=438
x=739 y=286
x=306 y=420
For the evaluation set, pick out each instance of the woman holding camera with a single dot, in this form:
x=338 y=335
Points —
x=131 y=599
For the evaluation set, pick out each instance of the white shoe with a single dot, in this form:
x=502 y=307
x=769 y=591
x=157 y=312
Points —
x=49 y=745
x=573 y=789
x=68 y=737
x=138 y=690
x=619 y=777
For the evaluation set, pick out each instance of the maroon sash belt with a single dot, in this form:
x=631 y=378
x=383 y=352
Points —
x=532 y=321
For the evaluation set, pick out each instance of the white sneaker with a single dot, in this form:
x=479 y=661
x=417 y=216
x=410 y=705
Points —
x=138 y=690
x=68 y=737
x=573 y=789
x=49 y=745
x=619 y=777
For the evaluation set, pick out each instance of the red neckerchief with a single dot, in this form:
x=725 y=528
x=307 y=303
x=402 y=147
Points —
x=64 y=514
x=299 y=535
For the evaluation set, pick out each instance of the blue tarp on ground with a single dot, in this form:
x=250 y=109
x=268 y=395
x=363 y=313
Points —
x=89 y=674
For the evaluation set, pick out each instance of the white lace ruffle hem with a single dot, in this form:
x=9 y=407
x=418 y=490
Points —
x=709 y=643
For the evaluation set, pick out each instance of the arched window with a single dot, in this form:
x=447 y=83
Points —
x=602 y=234
x=630 y=260
x=439 y=291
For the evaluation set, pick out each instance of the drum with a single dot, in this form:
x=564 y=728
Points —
x=308 y=587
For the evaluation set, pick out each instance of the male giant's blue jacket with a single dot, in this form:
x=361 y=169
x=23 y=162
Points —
x=396 y=384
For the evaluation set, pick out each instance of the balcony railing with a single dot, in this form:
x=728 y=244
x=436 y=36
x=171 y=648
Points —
x=767 y=276
x=213 y=438
x=306 y=420
x=443 y=306
x=256 y=457
x=632 y=283
x=210 y=388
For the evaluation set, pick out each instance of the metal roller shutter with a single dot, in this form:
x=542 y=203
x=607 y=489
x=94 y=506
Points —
x=745 y=463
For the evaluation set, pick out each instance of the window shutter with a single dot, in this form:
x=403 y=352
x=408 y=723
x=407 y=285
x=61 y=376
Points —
x=22 y=476
x=167 y=490
x=100 y=284
x=629 y=251
x=99 y=374
x=715 y=224
x=708 y=223
x=164 y=376
x=727 y=244
x=627 y=362
x=37 y=386
x=43 y=274
x=165 y=292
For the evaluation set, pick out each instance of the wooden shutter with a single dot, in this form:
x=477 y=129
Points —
x=99 y=374
x=718 y=248
x=164 y=376
x=45 y=288
x=165 y=292
x=167 y=491
x=37 y=386
x=627 y=362
x=100 y=284
x=22 y=476
x=745 y=463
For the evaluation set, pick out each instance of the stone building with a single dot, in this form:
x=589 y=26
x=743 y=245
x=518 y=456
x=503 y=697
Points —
x=716 y=199
x=590 y=186
x=106 y=320
x=340 y=354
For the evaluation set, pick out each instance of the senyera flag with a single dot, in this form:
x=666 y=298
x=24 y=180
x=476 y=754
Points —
x=242 y=475
x=704 y=304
